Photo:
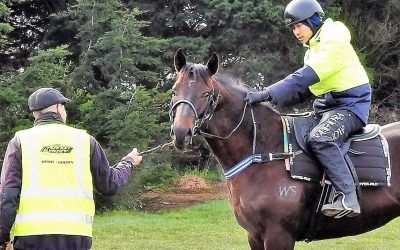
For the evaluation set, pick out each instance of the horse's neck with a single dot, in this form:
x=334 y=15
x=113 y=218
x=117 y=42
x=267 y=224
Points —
x=240 y=144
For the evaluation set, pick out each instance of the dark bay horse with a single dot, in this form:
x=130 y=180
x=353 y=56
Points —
x=212 y=103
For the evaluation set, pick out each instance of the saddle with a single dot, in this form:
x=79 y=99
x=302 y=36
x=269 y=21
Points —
x=367 y=152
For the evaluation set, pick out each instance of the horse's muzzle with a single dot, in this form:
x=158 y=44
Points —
x=182 y=136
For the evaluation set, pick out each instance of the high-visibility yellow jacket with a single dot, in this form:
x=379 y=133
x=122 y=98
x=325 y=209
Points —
x=334 y=60
x=57 y=190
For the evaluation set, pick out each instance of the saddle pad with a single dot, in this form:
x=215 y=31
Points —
x=370 y=157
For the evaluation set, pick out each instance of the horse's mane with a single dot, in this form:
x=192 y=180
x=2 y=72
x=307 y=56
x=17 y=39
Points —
x=232 y=81
x=239 y=84
x=200 y=70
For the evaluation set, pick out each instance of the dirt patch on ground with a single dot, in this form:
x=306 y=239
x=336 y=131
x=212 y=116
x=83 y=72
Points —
x=191 y=182
x=187 y=191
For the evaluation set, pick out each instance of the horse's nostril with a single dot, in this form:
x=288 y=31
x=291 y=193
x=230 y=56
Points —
x=180 y=133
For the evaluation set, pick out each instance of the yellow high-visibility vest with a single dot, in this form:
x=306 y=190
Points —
x=334 y=60
x=57 y=188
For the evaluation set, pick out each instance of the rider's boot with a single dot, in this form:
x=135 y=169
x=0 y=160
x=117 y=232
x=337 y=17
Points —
x=342 y=205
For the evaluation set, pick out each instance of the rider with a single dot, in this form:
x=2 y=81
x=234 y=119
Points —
x=333 y=72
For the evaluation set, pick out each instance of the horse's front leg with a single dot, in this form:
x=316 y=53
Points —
x=256 y=243
x=277 y=238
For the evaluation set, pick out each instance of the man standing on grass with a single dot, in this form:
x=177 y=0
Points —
x=47 y=179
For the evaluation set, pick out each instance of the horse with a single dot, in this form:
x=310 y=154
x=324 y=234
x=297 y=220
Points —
x=211 y=104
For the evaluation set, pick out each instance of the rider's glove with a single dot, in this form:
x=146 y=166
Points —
x=256 y=97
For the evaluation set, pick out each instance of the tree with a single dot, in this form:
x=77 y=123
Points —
x=30 y=21
x=5 y=27
x=377 y=35
x=47 y=69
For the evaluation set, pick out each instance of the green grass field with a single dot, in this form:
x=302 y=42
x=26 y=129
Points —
x=209 y=226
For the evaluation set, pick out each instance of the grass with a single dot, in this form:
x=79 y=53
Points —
x=209 y=226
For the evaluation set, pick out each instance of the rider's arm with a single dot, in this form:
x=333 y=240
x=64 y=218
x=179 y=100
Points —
x=294 y=88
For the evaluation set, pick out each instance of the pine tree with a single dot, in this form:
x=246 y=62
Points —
x=4 y=26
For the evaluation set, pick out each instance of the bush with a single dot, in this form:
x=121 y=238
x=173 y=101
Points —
x=158 y=176
x=147 y=177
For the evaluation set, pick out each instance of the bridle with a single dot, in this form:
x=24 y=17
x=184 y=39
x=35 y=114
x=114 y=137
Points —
x=212 y=103
x=204 y=117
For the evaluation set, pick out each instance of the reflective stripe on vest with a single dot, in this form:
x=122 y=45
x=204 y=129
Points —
x=57 y=189
x=334 y=60
x=53 y=217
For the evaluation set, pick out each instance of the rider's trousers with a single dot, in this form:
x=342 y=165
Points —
x=325 y=140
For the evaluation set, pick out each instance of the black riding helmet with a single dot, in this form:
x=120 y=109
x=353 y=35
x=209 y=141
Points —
x=299 y=10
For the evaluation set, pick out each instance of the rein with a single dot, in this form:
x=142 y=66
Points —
x=209 y=135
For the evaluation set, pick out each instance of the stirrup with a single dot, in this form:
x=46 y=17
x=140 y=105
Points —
x=344 y=213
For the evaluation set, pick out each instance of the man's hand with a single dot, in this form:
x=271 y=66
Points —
x=134 y=155
x=5 y=246
x=256 y=97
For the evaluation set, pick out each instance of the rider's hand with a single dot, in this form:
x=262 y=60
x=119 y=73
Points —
x=256 y=97
x=136 y=158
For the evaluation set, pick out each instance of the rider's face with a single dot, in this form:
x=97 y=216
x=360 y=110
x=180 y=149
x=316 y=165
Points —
x=302 y=32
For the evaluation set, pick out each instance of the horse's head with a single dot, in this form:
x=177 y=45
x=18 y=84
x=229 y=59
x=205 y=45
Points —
x=194 y=97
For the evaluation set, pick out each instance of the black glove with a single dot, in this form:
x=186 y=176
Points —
x=256 y=97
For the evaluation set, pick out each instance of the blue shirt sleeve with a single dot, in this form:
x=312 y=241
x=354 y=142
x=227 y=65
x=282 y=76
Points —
x=294 y=88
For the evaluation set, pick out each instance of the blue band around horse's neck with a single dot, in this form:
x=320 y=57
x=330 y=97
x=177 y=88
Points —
x=256 y=158
x=238 y=168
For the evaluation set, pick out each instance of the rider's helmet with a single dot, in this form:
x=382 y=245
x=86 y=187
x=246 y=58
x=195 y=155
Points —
x=300 y=10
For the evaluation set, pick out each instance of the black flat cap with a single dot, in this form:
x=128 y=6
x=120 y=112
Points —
x=45 y=97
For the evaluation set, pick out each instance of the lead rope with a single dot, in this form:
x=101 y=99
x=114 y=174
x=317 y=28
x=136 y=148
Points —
x=161 y=146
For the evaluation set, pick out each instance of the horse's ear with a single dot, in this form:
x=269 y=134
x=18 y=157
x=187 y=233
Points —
x=179 y=60
x=212 y=64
